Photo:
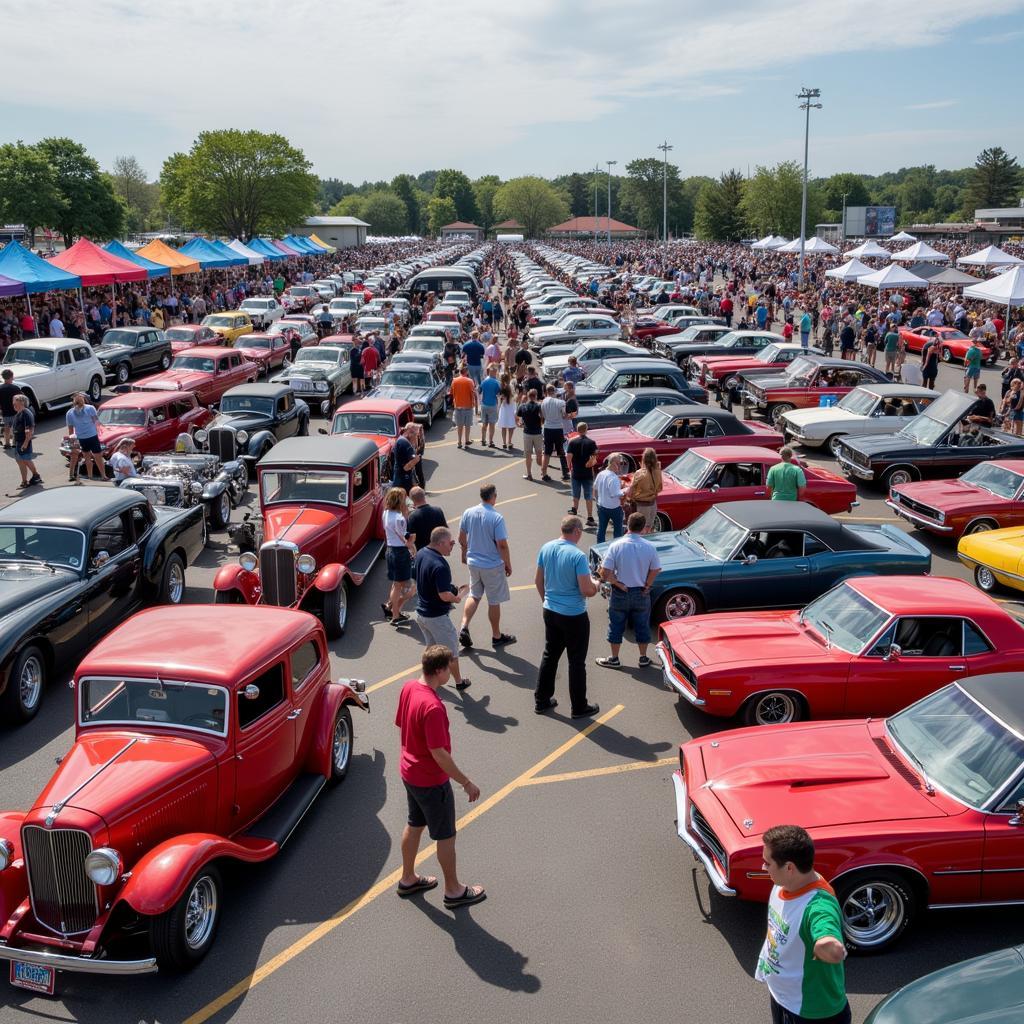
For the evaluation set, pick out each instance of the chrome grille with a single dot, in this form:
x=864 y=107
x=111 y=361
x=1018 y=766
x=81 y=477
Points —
x=63 y=897
x=682 y=668
x=707 y=836
x=222 y=444
x=277 y=573
x=915 y=506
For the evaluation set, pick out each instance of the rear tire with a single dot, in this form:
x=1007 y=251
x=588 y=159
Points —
x=220 y=511
x=341 y=746
x=183 y=935
x=25 y=685
x=877 y=907
x=95 y=390
x=172 y=585
x=336 y=611
x=947 y=356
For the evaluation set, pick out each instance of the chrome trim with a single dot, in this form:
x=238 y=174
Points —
x=138 y=724
x=54 y=889
x=966 y=871
x=854 y=469
x=915 y=517
x=718 y=880
x=972 y=906
x=62 y=803
x=672 y=680
x=79 y=964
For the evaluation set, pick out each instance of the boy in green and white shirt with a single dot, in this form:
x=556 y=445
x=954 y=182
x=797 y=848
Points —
x=801 y=960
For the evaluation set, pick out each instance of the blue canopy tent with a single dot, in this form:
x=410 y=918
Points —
x=35 y=273
x=265 y=249
x=152 y=269
x=302 y=245
x=209 y=257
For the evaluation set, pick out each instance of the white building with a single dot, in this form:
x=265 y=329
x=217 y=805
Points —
x=341 y=232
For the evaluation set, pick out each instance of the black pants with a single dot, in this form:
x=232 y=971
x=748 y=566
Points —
x=554 y=441
x=571 y=634
x=780 y=1015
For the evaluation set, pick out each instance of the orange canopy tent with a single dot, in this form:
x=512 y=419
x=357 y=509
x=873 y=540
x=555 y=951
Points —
x=160 y=252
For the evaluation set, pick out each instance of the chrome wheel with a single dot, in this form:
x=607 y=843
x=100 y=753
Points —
x=835 y=442
x=341 y=745
x=947 y=356
x=342 y=607
x=200 y=912
x=899 y=476
x=30 y=682
x=122 y=373
x=774 y=709
x=985 y=578
x=981 y=527
x=779 y=411
x=175 y=583
x=681 y=606
x=661 y=523
x=730 y=384
x=873 y=913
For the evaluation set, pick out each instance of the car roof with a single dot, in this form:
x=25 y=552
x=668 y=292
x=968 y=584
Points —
x=642 y=363
x=205 y=350
x=264 y=390
x=689 y=410
x=929 y=595
x=411 y=365
x=129 y=329
x=77 y=507
x=391 y=405
x=902 y=390
x=332 y=451
x=143 y=399
x=742 y=452
x=53 y=343
x=222 y=649
x=791 y=515
x=1000 y=694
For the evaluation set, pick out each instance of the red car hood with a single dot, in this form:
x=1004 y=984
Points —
x=714 y=641
x=298 y=524
x=174 y=380
x=611 y=438
x=821 y=775
x=950 y=495
x=112 y=434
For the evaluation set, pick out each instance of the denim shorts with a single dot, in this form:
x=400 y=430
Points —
x=629 y=607
x=24 y=454
x=582 y=489
x=399 y=564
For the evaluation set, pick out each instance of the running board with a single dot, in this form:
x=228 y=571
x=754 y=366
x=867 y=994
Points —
x=363 y=562
x=281 y=820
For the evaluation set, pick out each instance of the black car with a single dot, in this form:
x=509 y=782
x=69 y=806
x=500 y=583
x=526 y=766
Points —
x=74 y=562
x=642 y=372
x=730 y=343
x=251 y=419
x=626 y=406
x=940 y=442
x=125 y=351
x=419 y=385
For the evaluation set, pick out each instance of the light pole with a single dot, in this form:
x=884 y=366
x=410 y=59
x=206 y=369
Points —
x=611 y=164
x=597 y=171
x=664 y=147
x=842 y=227
x=806 y=95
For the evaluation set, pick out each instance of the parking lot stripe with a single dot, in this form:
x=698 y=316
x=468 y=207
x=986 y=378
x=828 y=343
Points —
x=498 y=504
x=591 y=773
x=406 y=673
x=517 y=464
x=274 y=964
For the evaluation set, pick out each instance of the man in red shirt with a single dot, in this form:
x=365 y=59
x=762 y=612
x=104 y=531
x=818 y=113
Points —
x=427 y=768
x=370 y=359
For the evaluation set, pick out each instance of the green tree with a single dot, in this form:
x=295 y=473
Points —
x=484 y=190
x=131 y=186
x=349 y=206
x=642 y=192
x=385 y=213
x=85 y=200
x=771 y=200
x=28 y=193
x=240 y=183
x=533 y=202
x=425 y=181
x=580 y=190
x=916 y=193
x=440 y=211
x=331 y=191
x=404 y=186
x=719 y=215
x=454 y=185
x=833 y=189
x=996 y=180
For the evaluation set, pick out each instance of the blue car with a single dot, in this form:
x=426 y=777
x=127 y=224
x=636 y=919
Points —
x=768 y=554
x=419 y=385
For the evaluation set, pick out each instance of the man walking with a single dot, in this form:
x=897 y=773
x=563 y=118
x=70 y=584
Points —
x=630 y=567
x=24 y=428
x=801 y=960
x=582 y=452
x=7 y=392
x=427 y=768
x=423 y=518
x=435 y=595
x=972 y=365
x=483 y=537
x=553 y=410
x=405 y=459
x=489 y=391
x=530 y=417
x=564 y=583
x=464 y=402
x=786 y=480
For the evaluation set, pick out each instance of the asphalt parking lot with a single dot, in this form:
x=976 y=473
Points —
x=595 y=908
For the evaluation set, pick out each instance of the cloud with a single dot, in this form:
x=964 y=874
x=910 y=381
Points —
x=932 y=105
x=999 y=37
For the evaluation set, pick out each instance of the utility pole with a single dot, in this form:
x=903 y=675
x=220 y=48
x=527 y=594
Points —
x=806 y=95
x=842 y=227
x=611 y=164
x=664 y=147
x=597 y=171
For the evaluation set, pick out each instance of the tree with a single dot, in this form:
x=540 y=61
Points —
x=719 y=215
x=404 y=186
x=440 y=211
x=85 y=201
x=852 y=186
x=642 y=191
x=349 y=206
x=580 y=190
x=132 y=188
x=240 y=183
x=534 y=202
x=385 y=213
x=331 y=191
x=996 y=180
x=484 y=190
x=771 y=200
x=454 y=185
x=28 y=193
x=425 y=181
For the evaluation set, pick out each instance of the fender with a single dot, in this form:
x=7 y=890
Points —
x=879 y=860
x=215 y=488
x=234 y=577
x=160 y=878
x=256 y=442
x=13 y=880
x=330 y=576
x=333 y=697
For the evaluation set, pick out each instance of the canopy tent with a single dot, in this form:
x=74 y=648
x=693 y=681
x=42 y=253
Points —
x=990 y=256
x=286 y=249
x=209 y=256
x=161 y=252
x=919 y=252
x=8 y=287
x=813 y=245
x=239 y=247
x=1005 y=290
x=323 y=245
x=96 y=266
x=303 y=246
x=892 y=276
x=942 y=276
x=763 y=243
x=227 y=252
x=778 y=242
x=152 y=269
x=34 y=273
x=852 y=270
x=265 y=249
x=866 y=250
x=903 y=236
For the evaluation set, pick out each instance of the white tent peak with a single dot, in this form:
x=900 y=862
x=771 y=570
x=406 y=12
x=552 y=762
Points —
x=892 y=276
x=919 y=252
x=990 y=256
x=903 y=236
x=866 y=249
x=851 y=270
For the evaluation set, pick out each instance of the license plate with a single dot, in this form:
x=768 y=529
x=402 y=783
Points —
x=33 y=977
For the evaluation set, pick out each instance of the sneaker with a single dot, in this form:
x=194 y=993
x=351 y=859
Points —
x=464 y=685
x=539 y=709
x=573 y=512
x=501 y=641
x=37 y=479
x=465 y=639
x=587 y=711
x=591 y=521
x=546 y=478
x=400 y=620
x=386 y=609
x=609 y=662
x=644 y=661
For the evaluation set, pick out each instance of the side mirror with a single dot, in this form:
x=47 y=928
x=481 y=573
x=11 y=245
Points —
x=323 y=430
x=715 y=488
x=1018 y=819
x=893 y=653
x=750 y=560
x=101 y=558
x=251 y=692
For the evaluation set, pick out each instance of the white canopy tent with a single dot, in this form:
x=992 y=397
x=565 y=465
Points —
x=891 y=277
x=903 y=236
x=242 y=249
x=812 y=245
x=867 y=249
x=777 y=242
x=919 y=252
x=990 y=256
x=1005 y=290
x=851 y=270
x=763 y=243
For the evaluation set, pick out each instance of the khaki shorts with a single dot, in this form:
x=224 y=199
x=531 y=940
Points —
x=492 y=582
x=533 y=443
x=463 y=417
x=439 y=630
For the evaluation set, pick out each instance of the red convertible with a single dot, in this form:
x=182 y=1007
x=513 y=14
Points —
x=920 y=810
x=673 y=429
x=989 y=496
x=704 y=477
x=189 y=335
x=953 y=344
x=187 y=758
x=267 y=351
x=205 y=370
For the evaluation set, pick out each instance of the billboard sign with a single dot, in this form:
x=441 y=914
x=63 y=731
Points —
x=870 y=221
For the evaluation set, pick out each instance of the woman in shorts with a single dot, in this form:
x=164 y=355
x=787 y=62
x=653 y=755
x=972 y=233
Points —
x=400 y=551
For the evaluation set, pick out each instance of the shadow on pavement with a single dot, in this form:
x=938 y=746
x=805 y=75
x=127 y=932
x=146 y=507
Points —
x=476 y=711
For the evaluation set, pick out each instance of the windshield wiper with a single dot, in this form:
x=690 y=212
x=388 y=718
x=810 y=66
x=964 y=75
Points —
x=828 y=629
x=928 y=787
x=699 y=543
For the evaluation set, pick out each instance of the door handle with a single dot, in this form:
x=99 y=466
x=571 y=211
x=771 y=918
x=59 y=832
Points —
x=295 y=714
x=758 y=494
x=957 y=668
x=802 y=566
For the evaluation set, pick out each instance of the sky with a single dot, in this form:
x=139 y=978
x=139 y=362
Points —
x=543 y=87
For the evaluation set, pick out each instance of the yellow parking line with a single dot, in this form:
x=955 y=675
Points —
x=405 y=673
x=507 y=501
x=591 y=773
x=517 y=464
x=324 y=929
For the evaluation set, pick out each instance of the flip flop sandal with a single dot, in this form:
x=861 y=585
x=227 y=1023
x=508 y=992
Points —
x=471 y=894
x=421 y=885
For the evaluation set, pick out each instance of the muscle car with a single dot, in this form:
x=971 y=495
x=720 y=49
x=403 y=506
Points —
x=995 y=557
x=267 y=351
x=730 y=343
x=953 y=344
x=628 y=405
x=185 y=336
x=421 y=386
x=229 y=325
x=649 y=372
x=716 y=371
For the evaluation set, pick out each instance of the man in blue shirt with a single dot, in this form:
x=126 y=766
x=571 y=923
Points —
x=436 y=594
x=564 y=582
x=761 y=315
x=473 y=352
x=489 y=391
x=483 y=537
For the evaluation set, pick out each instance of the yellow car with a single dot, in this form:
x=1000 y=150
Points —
x=995 y=556
x=229 y=326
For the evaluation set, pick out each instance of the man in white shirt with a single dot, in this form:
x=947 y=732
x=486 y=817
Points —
x=121 y=461
x=935 y=317
x=608 y=495
x=553 y=409
x=56 y=326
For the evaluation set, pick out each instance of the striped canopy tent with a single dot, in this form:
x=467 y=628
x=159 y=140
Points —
x=161 y=252
x=303 y=246
x=152 y=269
x=265 y=249
x=96 y=266
x=323 y=245
x=254 y=258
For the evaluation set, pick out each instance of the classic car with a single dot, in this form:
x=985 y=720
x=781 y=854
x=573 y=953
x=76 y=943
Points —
x=995 y=557
x=185 y=478
x=953 y=344
x=809 y=381
x=989 y=496
x=74 y=561
x=575 y=326
x=183 y=336
x=703 y=477
x=320 y=499
x=422 y=387
x=262 y=310
x=868 y=409
x=299 y=297
x=626 y=406
x=647 y=327
x=768 y=554
x=647 y=372
x=206 y=371
x=300 y=331
x=689 y=335
x=267 y=351
x=941 y=442
x=442 y=331
x=589 y=355
x=128 y=350
x=344 y=306
x=379 y=419
x=550 y=314
x=187 y=758
x=920 y=810
x=430 y=348
x=321 y=374
x=48 y=371
x=673 y=429
x=725 y=374
x=229 y=325
x=870 y=646
x=152 y=419
x=729 y=343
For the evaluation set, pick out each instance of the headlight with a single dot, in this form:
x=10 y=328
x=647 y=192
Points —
x=321 y=385
x=201 y=436
x=242 y=436
x=6 y=853
x=196 y=487
x=103 y=866
x=306 y=564
x=941 y=517
x=419 y=407
x=248 y=561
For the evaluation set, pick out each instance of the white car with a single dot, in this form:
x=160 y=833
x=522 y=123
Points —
x=460 y=299
x=670 y=314
x=869 y=409
x=262 y=311
x=50 y=370
x=590 y=354
x=576 y=327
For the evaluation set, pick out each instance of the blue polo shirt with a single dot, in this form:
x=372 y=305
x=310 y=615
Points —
x=84 y=422
x=490 y=388
x=562 y=561
x=484 y=526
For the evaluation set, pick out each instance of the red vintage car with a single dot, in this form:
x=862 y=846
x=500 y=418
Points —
x=703 y=477
x=321 y=500
x=267 y=351
x=187 y=757
x=673 y=429
x=869 y=646
x=379 y=419
x=207 y=371
x=953 y=343
x=441 y=316
x=921 y=810
x=722 y=372
x=650 y=327
x=189 y=335
x=989 y=496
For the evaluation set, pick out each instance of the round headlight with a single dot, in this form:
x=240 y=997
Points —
x=103 y=866
x=419 y=407
x=196 y=488
x=248 y=561
x=201 y=436
x=242 y=436
x=6 y=853
x=306 y=563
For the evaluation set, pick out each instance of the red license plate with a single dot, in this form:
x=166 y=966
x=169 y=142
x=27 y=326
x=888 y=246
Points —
x=33 y=977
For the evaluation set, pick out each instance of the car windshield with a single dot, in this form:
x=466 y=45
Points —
x=858 y=403
x=405 y=379
x=180 y=334
x=617 y=402
x=364 y=423
x=716 y=535
x=219 y=321
x=246 y=403
x=122 y=417
x=432 y=344
x=689 y=469
x=163 y=703
x=769 y=354
x=581 y=351
x=653 y=423
x=251 y=341
x=119 y=338
x=49 y=544
x=924 y=430
x=997 y=480
x=255 y=304
x=729 y=340
x=193 y=363
x=40 y=356
x=317 y=355
x=602 y=377
x=960 y=746
x=297 y=485
x=844 y=618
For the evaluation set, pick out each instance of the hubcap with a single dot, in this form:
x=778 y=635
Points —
x=342 y=746
x=122 y=373
x=872 y=913
x=225 y=506
x=175 y=583
x=31 y=683
x=778 y=412
x=200 y=913
x=985 y=577
x=660 y=524
x=980 y=528
x=680 y=606
x=901 y=477
x=774 y=708
x=342 y=607
x=835 y=444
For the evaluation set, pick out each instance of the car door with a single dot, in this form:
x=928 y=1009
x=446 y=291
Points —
x=287 y=415
x=737 y=481
x=361 y=505
x=770 y=570
x=306 y=664
x=113 y=565
x=164 y=425
x=68 y=377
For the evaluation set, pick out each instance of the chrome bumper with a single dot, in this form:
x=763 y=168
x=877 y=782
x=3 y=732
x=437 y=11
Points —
x=916 y=517
x=78 y=964
x=854 y=470
x=718 y=880
x=672 y=681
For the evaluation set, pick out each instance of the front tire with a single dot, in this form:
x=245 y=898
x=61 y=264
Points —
x=776 y=412
x=336 y=611
x=183 y=935
x=980 y=526
x=985 y=578
x=121 y=373
x=95 y=390
x=172 y=585
x=877 y=907
x=165 y=361
x=341 y=746
x=947 y=356
x=774 y=708
x=897 y=476
x=220 y=511
x=678 y=604
x=834 y=443
x=25 y=685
